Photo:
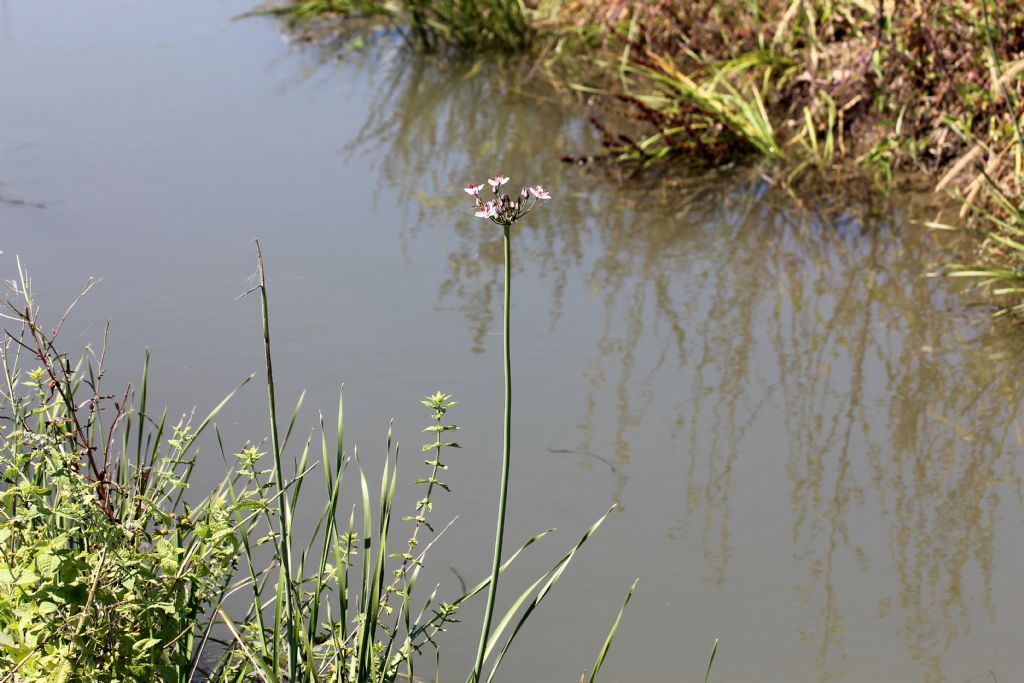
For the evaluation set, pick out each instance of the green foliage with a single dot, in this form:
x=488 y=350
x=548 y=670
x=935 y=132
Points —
x=109 y=574
x=341 y=631
x=714 y=113
x=1000 y=269
x=101 y=578
x=82 y=592
x=339 y=604
x=991 y=201
x=488 y=25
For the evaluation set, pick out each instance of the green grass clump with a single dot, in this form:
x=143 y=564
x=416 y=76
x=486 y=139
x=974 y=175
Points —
x=431 y=25
x=715 y=114
x=887 y=86
x=992 y=200
x=1000 y=268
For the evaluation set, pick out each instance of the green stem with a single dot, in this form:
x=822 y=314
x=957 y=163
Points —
x=499 y=535
x=284 y=547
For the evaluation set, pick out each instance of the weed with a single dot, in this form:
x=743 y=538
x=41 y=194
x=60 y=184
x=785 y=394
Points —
x=107 y=572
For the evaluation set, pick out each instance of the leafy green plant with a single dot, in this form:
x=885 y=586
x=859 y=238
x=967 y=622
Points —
x=106 y=572
x=334 y=628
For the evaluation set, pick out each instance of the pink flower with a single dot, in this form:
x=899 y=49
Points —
x=488 y=210
x=539 y=192
x=473 y=189
x=497 y=181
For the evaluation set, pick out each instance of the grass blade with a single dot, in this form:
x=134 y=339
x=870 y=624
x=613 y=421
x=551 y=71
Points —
x=711 y=660
x=611 y=635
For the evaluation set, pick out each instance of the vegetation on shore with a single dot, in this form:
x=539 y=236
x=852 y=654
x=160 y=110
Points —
x=111 y=570
x=822 y=86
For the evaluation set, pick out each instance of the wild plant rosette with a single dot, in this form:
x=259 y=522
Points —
x=502 y=209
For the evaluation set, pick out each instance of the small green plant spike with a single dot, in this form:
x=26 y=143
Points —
x=439 y=403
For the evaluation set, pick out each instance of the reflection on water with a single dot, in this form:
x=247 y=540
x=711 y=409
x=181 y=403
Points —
x=814 y=450
x=741 y=308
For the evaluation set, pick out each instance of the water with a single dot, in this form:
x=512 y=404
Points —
x=814 y=447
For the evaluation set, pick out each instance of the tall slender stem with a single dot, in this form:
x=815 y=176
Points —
x=499 y=535
x=284 y=546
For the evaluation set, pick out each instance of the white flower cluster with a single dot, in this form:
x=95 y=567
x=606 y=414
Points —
x=504 y=210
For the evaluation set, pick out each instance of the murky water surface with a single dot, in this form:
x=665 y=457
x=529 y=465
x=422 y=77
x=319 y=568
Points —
x=814 y=452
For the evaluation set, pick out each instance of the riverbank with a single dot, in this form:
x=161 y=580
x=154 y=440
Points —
x=785 y=399
x=810 y=88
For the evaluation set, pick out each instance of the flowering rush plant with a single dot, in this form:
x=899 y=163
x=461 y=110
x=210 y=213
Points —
x=502 y=209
